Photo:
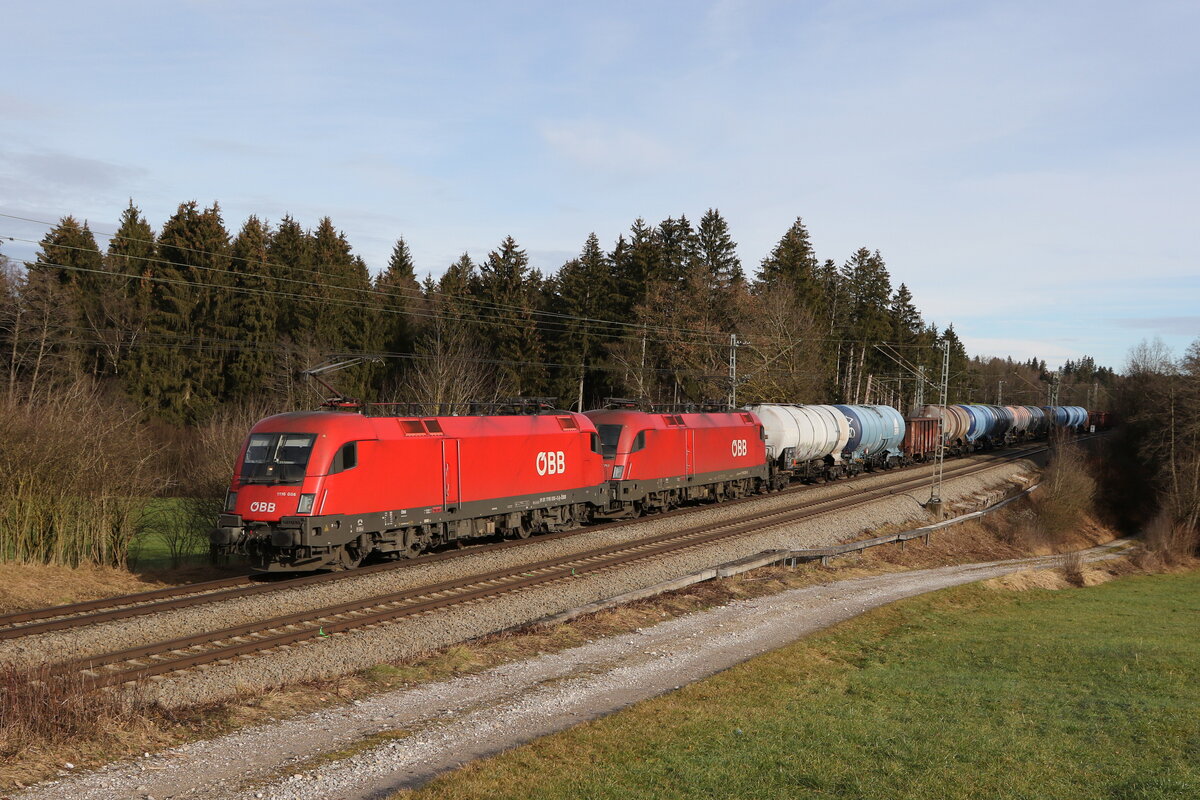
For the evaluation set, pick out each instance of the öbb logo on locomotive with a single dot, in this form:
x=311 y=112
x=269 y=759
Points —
x=551 y=462
x=326 y=489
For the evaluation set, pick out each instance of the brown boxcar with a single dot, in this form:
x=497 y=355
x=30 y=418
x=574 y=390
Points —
x=921 y=438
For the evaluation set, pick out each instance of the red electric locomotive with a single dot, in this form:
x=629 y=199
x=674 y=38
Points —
x=323 y=489
x=657 y=461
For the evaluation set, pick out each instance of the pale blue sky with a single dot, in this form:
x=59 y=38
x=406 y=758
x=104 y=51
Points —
x=1030 y=169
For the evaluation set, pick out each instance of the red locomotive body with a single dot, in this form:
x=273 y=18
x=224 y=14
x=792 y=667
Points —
x=920 y=438
x=657 y=461
x=322 y=489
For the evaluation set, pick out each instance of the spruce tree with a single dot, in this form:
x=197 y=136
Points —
x=181 y=372
x=583 y=291
x=678 y=249
x=400 y=300
x=131 y=252
x=69 y=257
x=339 y=325
x=868 y=290
x=717 y=251
x=718 y=274
x=506 y=285
x=254 y=310
x=291 y=252
x=637 y=265
x=793 y=265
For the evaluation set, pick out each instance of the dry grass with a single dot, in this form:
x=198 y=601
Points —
x=29 y=586
x=24 y=587
x=1063 y=577
x=42 y=711
x=1166 y=544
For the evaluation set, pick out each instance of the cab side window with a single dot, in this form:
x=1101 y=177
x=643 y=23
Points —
x=345 y=458
x=639 y=442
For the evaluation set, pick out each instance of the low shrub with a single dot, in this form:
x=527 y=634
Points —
x=39 y=709
x=77 y=467
x=1167 y=543
x=1067 y=493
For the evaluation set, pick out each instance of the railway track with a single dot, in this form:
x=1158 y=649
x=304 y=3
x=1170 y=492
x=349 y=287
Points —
x=225 y=645
x=65 y=617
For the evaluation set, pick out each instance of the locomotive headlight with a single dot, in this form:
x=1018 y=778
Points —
x=306 y=503
x=618 y=471
x=230 y=501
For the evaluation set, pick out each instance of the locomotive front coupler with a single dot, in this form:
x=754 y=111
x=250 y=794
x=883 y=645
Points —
x=229 y=530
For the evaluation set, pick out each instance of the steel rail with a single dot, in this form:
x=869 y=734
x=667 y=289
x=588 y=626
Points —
x=59 y=618
x=171 y=656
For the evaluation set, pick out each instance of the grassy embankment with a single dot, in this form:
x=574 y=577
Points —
x=971 y=692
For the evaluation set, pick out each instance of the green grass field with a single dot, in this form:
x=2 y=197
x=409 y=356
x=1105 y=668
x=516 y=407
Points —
x=167 y=527
x=967 y=693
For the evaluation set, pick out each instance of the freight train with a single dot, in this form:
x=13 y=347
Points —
x=326 y=489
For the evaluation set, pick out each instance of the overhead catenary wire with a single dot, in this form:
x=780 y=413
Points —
x=446 y=316
x=407 y=293
x=641 y=328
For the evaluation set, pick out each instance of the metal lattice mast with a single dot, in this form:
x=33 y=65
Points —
x=939 y=463
x=733 y=346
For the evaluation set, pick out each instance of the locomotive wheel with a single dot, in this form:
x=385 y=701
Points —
x=349 y=558
x=413 y=545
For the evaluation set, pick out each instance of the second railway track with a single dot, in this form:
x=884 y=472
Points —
x=77 y=615
x=237 y=641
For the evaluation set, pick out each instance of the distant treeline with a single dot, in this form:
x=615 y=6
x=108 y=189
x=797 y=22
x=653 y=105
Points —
x=190 y=318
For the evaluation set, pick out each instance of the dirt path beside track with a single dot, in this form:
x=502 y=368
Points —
x=428 y=729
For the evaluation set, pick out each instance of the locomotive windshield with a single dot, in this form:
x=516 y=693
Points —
x=609 y=436
x=277 y=457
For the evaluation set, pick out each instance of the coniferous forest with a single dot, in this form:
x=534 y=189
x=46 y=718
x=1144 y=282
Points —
x=189 y=318
x=133 y=361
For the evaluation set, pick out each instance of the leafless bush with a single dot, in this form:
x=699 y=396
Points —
x=38 y=708
x=1067 y=493
x=77 y=472
x=201 y=465
x=1072 y=567
x=1167 y=543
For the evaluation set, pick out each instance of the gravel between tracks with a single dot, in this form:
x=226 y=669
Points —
x=353 y=650
x=453 y=721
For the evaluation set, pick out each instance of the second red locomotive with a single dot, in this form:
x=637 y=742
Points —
x=325 y=489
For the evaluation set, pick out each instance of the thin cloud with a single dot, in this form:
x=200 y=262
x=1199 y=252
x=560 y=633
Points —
x=66 y=171
x=604 y=147
x=1180 y=326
